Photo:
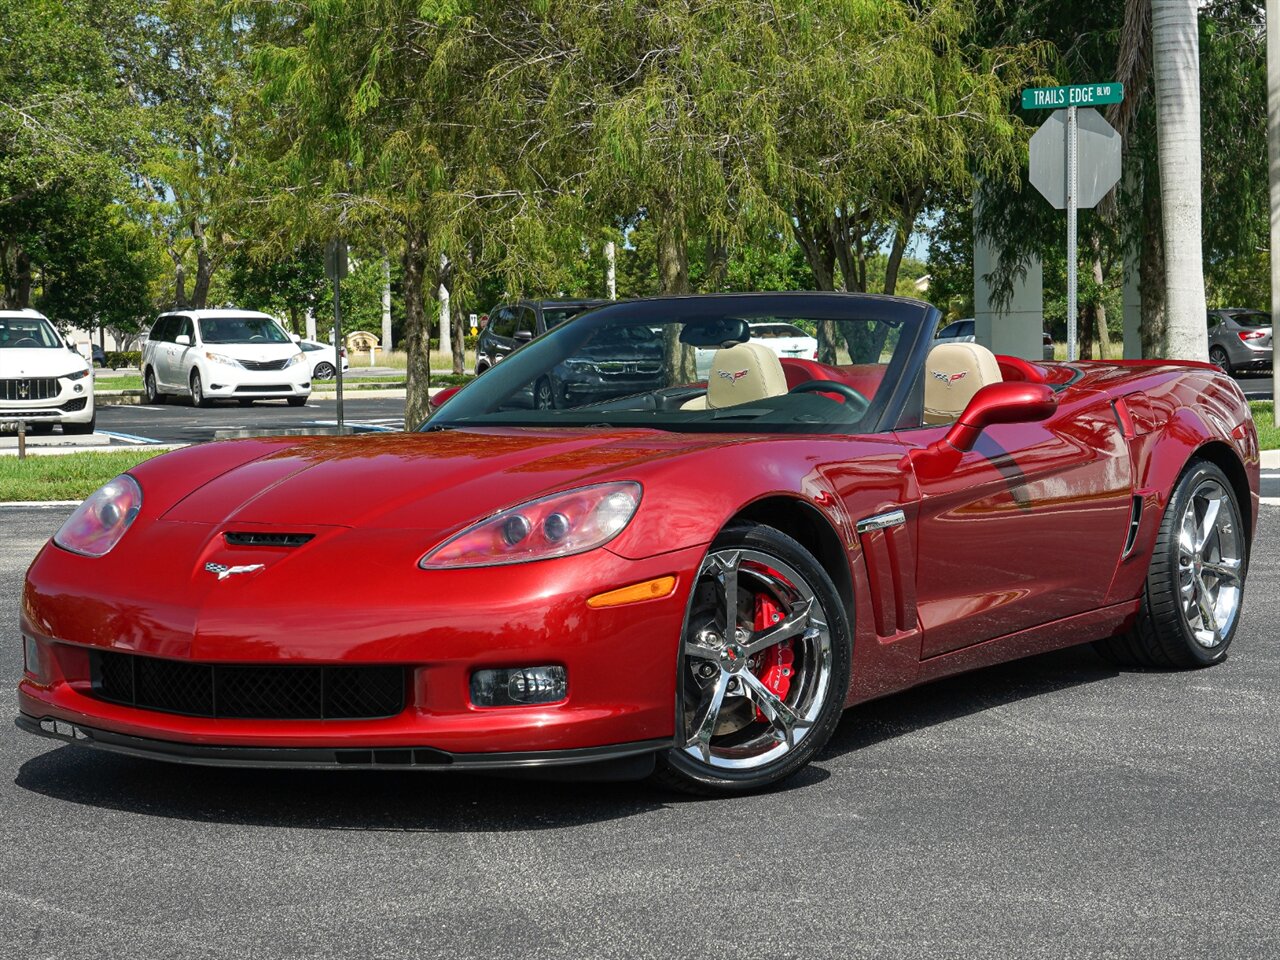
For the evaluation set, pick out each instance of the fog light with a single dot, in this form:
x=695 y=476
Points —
x=31 y=659
x=519 y=686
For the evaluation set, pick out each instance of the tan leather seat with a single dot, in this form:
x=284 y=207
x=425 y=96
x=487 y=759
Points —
x=741 y=374
x=953 y=373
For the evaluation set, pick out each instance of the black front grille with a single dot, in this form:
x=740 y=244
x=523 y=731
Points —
x=264 y=364
x=249 y=539
x=71 y=406
x=34 y=388
x=264 y=388
x=249 y=693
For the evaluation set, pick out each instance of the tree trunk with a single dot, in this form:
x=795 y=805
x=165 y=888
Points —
x=179 y=280
x=901 y=236
x=22 y=288
x=417 y=331
x=1151 y=271
x=459 y=339
x=1176 y=46
x=673 y=280
x=717 y=264
x=1100 y=308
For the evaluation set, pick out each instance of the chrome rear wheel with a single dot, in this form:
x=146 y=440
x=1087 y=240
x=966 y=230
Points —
x=1210 y=564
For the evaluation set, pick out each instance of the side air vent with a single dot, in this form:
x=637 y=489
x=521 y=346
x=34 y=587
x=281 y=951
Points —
x=257 y=539
x=1135 y=521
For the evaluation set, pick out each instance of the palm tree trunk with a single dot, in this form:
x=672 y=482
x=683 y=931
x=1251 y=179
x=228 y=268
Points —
x=1176 y=47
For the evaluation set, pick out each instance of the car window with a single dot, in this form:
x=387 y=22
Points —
x=638 y=364
x=775 y=331
x=503 y=322
x=1252 y=320
x=185 y=327
x=526 y=320
x=160 y=330
x=554 y=316
x=1214 y=320
x=308 y=346
x=241 y=330
x=21 y=333
x=950 y=330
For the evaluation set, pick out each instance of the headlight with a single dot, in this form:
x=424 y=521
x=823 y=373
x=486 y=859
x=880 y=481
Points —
x=219 y=358
x=578 y=363
x=296 y=358
x=100 y=522
x=556 y=526
x=75 y=375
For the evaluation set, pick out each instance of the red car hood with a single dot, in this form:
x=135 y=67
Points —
x=420 y=481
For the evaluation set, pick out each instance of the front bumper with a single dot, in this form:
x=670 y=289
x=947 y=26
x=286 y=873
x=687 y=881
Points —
x=440 y=626
x=67 y=405
x=225 y=382
x=328 y=758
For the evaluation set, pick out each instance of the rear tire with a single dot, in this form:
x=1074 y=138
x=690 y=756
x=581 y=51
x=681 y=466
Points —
x=1218 y=357
x=150 y=392
x=740 y=726
x=1195 y=585
x=323 y=371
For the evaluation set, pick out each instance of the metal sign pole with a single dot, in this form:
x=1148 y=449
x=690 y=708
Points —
x=337 y=346
x=1073 y=185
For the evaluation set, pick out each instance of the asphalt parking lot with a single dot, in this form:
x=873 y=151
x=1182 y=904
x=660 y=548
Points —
x=1051 y=808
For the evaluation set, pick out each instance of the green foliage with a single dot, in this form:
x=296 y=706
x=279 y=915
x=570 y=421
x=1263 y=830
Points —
x=115 y=359
x=71 y=476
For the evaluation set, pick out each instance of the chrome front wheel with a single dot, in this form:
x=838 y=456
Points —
x=764 y=664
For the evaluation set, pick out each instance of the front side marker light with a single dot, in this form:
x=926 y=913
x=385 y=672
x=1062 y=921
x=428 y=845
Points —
x=519 y=686
x=649 y=590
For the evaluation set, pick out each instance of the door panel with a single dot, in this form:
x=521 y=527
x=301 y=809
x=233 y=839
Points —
x=1027 y=528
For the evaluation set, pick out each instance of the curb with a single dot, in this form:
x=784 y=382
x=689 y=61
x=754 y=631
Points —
x=1270 y=459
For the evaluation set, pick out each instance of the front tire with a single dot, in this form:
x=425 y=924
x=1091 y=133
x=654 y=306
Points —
x=79 y=429
x=544 y=397
x=1195 y=585
x=198 y=399
x=756 y=703
x=297 y=401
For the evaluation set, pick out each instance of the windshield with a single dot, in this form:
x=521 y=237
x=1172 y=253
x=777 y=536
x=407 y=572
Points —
x=241 y=330
x=692 y=363
x=554 y=316
x=27 y=333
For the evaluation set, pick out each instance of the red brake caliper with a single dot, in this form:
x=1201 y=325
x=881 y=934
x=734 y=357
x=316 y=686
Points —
x=775 y=664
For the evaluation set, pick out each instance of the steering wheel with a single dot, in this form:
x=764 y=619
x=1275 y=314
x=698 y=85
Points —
x=256 y=336
x=27 y=342
x=859 y=403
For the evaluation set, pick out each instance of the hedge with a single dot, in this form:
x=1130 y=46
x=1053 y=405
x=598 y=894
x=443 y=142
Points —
x=115 y=359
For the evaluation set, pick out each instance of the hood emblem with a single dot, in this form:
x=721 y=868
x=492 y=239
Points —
x=948 y=378
x=223 y=571
x=733 y=378
x=24 y=389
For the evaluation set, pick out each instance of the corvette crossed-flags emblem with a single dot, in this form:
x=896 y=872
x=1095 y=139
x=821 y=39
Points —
x=734 y=377
x=223 y=571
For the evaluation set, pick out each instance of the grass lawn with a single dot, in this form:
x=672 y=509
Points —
x=1264 y=420
x=71 y=476
x=117 y=383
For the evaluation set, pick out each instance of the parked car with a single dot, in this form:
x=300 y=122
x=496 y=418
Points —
x=322 y=358
x=514 y=324
x=98 y=355
x=962 y=331
x=1239 y=339
x=223 y=354
x=691 y=582
x=43 y=381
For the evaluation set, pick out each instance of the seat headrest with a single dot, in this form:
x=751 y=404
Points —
x=740 y=374
x=953 y=373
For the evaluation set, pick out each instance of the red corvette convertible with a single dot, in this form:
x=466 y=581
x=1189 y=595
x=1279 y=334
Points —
x=600 y=554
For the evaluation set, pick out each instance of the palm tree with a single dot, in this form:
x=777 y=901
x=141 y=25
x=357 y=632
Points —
x=1176 y=54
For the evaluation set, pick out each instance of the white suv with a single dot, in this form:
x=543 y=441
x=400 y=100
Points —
x=43 y=381
x=223 y=354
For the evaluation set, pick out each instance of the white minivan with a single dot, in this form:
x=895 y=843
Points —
x=43 y=380
x=223 y=354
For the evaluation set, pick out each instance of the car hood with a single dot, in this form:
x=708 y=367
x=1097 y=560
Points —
x=39 y=362
x=427 y=481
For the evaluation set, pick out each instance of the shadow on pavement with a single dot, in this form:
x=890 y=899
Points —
x=397 y=801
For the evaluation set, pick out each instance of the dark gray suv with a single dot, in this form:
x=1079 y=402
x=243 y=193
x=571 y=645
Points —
x=1239 y=339
x=514 y=324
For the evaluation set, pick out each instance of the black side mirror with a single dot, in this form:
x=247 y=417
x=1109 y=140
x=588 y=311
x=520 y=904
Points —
x=524 y=336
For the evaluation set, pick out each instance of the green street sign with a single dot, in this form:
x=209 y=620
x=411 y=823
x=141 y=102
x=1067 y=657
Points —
x=1077 y=95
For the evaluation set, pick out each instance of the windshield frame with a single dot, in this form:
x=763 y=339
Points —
x=903 y=381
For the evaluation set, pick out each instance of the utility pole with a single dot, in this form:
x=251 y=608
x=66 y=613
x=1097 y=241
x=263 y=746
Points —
x=446 y=343
x=1273 y=151
x=1073 y=257
x=386 y=305
x=335 y=266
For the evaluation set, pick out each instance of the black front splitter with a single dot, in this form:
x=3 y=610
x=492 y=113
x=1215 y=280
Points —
x=615 y=762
